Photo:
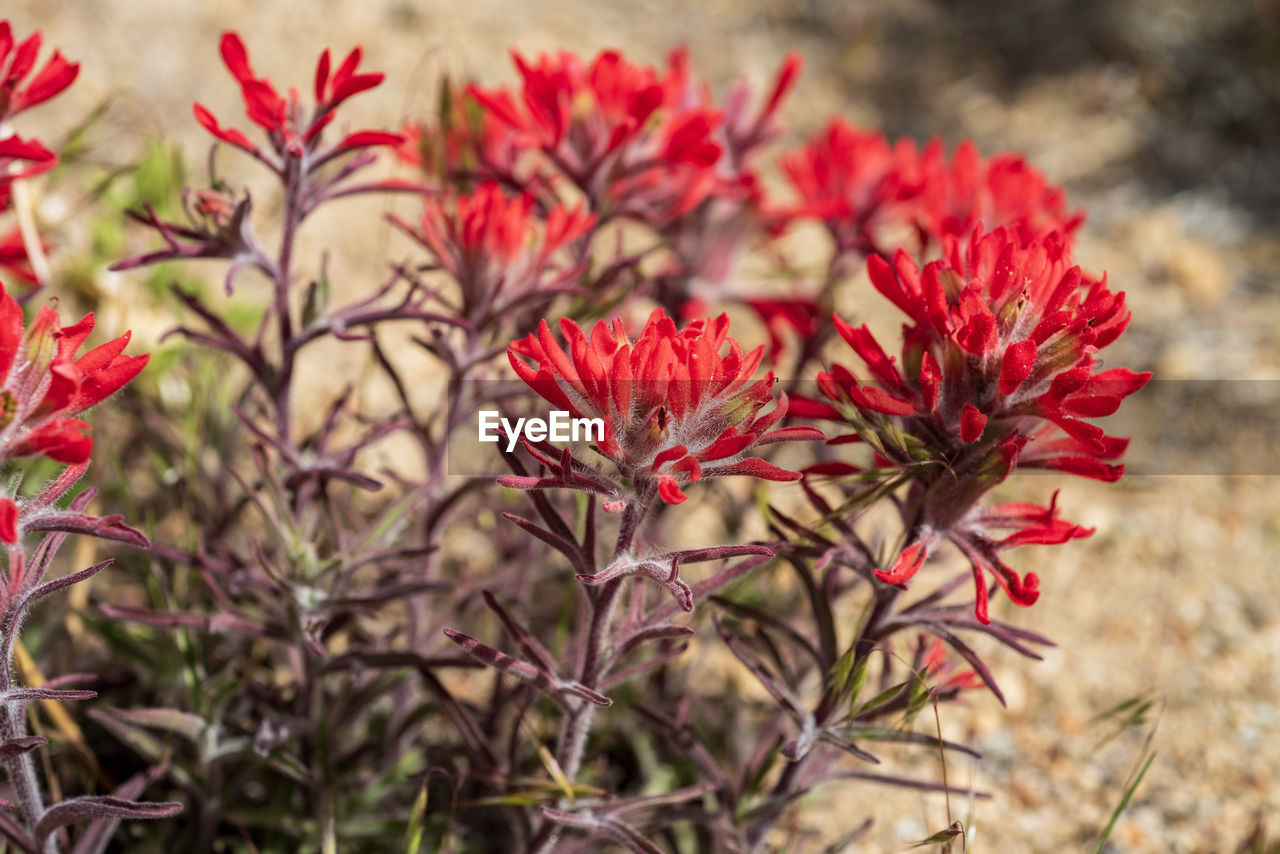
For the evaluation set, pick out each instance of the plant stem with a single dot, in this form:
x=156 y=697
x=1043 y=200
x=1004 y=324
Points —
x=295 y=181
x=867 y=640
x=576 y=728
x=13 y=725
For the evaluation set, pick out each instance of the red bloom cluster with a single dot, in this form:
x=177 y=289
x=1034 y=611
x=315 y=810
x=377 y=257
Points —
x=958 y=195
x=675 y=407
x=645 y=144
x=619 y=131
x=294 y=133
x=43 y=384
x=21 y=158
x=857 y=183
x=17 y=60
x=497 y=249
x=998 y=370
x=639 y=143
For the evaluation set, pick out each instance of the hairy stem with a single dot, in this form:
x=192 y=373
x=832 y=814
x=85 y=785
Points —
x=13 y=725
x=576 y=728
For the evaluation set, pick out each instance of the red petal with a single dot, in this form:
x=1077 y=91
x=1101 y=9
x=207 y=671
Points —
x=907 y=564
x=930 y=381
x=56 y=75
x=231 y=135
x=972 y=423
x=8 y=521
x=870 y=397
x=670 y=454
x=669 y=491
x=322 y=76
x=235 y=56
x=65 y=440
x=368 y=139
x=754 y=467
x=1016 y=366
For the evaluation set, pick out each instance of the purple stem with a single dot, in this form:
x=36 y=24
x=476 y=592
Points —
x=295 y=183
x=13 y=725
x=577 y=726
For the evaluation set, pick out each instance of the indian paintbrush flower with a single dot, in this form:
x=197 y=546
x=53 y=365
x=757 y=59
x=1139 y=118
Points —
x=999 y=370
x=293 y=131
x=17 y=61
x=675 y=407
x=498 y=249
x=44 y=383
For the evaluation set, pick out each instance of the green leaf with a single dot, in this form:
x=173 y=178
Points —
x=1124 y=803
x=943 y=836
x=849 y=676
x=881 y=699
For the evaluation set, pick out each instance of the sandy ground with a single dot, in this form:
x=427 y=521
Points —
x=1160 y=118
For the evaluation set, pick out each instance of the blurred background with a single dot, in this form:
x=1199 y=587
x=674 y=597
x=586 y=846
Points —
x=1161 y=118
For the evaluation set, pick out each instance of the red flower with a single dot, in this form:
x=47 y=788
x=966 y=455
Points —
x=13 y=257
x=294 y=134
x=638 y=144
x=857 y=183
x=44 y=383
x=708 y=241
x=675 y=407
x=1004 y=336
x=13 y=150
x=960 y=194
x=17 y=62
x=998 y=371
x=938 y=665
x=854 y=181
x=468 y=144
x=497 y=249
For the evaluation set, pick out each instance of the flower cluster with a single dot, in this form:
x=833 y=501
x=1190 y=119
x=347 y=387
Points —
x=855 y=182
x=497 y=250
x=17 y=61
x=21 y=254
x=999 y=370
x=43 y=385
x=635 y=143
x=311 y=171
x=294 y=132
x=860 y=186
x=675 y=407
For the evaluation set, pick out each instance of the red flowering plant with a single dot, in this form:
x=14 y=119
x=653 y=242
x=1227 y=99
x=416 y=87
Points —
x=998 y=372
x=643 y=147
x=44 y=383
x=676 y=406
x=345 y=601
x=293 y=546
x=499 y=252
